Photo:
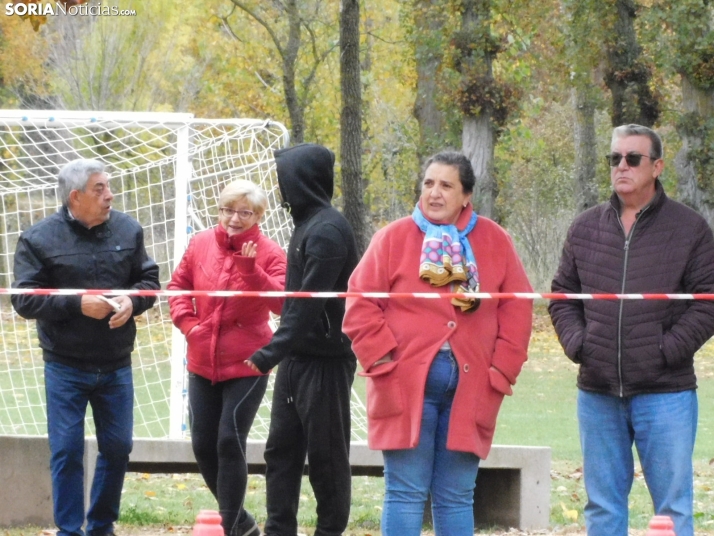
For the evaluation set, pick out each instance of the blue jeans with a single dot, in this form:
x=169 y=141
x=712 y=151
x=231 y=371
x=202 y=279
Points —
x=450 y=476
x=111 y=396
x=663 y=428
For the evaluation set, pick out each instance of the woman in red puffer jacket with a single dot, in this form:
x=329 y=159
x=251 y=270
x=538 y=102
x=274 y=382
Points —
x=225 y=394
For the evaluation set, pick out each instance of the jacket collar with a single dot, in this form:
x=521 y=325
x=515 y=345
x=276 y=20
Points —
x=653 y=206
x=236 y=242
x=101 y=231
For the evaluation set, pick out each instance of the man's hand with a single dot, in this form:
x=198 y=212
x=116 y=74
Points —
x=95 y=307
x=120 y=317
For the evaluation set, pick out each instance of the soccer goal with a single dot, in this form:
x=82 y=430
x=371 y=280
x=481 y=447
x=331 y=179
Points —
x=167 y=171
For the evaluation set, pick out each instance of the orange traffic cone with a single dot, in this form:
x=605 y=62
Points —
x=208 y=523
x=661 y=526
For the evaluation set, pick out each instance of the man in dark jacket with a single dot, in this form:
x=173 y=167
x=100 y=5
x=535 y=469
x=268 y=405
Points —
x=311 y=402
x=86 y=340
x=636 y=380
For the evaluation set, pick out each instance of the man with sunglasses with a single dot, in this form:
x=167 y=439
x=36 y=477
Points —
x=636 y=382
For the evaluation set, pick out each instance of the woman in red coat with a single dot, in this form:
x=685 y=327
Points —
x=224 y=393
x=437 y=370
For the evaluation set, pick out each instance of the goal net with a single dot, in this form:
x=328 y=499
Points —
x=167 y=171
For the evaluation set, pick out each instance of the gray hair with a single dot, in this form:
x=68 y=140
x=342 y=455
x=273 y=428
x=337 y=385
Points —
x=74 y=176
x=244 y=189
x=623 y=131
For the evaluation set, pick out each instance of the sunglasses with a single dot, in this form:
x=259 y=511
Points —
x=632 y=159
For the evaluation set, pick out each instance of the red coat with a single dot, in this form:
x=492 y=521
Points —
x=229 y=329
x=489 y=344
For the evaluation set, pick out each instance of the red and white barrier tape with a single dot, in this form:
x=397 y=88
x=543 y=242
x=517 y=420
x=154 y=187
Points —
x=376 y=295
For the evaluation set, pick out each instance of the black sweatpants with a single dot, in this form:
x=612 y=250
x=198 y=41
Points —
x=221 y=416
x=310 y=415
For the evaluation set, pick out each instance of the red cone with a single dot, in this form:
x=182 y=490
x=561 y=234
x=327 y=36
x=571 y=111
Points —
x=208 y=523
x=661 y=526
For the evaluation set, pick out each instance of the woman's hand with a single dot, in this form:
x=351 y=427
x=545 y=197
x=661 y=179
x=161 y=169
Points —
x=249 y=249
x=252 y=366
x=386 y=359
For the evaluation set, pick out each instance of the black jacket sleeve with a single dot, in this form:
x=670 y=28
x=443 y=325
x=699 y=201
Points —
x=31 y=273
x=325 y=255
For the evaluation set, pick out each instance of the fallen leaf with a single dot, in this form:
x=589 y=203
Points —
x=572 y=515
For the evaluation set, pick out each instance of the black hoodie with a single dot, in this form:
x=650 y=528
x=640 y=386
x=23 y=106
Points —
x=321 y=256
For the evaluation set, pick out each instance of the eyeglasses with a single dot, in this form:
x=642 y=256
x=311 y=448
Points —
x=242 y=214
x=632 y=159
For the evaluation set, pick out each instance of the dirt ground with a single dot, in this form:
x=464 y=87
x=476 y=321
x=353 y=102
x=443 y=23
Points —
x=159 y=531
x=573 y=530
x=187 y=531
x=183 y=530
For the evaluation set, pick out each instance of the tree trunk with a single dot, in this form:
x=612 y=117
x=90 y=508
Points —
x=272 y=16
x=627 y=77
x=478 y=133
x=478 y=146
x=585 y=149
x=428 y=27
x=351 y=123
x=295 y=109
x=698 y=107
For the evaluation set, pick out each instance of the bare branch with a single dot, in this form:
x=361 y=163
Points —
x=307 y=81
x=263 y=23
x=227 y=26
x=262 y=81
x=313 y=39
x=383 y=40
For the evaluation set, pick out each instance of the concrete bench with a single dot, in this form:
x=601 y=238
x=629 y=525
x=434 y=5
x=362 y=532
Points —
x=512 y=487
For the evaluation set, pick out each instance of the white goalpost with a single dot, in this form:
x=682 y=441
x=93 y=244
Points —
x=167 y=171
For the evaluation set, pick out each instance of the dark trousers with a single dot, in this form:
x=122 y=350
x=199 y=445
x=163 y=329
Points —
x=221 y=416
x=310 y=416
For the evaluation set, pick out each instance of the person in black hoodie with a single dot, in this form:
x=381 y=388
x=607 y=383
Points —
x=311 y=401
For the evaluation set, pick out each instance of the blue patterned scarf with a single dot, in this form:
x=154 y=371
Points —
x=446 y=257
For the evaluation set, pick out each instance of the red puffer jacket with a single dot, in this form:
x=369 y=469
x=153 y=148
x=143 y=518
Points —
x=227 y=330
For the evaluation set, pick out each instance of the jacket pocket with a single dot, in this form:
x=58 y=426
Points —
x=660 y=343
x=585 y=348
x=489 y=405
x=676 y=358
x=194 y=336
x=384 y=391
x=499 y=382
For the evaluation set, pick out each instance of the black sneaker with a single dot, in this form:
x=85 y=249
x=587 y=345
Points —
x=248 y=527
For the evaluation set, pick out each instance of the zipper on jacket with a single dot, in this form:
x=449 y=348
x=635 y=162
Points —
x=628 y=238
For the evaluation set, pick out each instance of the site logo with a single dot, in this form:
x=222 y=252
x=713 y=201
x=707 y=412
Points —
x=43 y=9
